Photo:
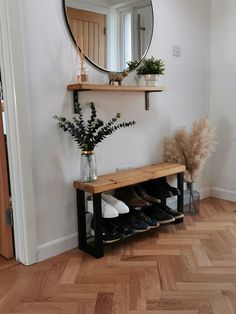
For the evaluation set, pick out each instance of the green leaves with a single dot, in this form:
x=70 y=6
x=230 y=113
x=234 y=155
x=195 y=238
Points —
x=132 y=64
x=151 y=66
x=88 y=135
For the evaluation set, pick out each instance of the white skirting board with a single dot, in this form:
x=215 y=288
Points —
x=57 y=246
x=204 y=193
x=61 y=245
x=223 y=194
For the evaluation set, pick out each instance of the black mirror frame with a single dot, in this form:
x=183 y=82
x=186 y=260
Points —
x=89 y=60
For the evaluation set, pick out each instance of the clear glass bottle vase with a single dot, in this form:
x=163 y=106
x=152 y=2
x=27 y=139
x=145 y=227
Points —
x=88 y=169
x=83 y=74
x=191 y=200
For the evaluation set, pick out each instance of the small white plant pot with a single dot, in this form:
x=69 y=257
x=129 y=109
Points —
x=151 y=79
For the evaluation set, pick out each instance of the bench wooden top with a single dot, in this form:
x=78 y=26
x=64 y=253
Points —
x=120 y=179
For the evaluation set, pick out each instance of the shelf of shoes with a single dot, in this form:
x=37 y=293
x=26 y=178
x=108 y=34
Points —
x=120 y=179
x=75 y=88
x=115 y=181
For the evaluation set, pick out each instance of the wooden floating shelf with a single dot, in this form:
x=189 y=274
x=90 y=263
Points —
x=115 y=88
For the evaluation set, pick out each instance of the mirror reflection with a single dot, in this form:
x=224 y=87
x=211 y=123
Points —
x=111 y=32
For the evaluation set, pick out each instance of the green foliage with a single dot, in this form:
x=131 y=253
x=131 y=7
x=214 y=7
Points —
x=151 y=66
x=88 y=135
x=132 y=64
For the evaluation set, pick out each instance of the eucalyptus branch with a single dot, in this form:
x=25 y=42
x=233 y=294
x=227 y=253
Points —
x=88 y=135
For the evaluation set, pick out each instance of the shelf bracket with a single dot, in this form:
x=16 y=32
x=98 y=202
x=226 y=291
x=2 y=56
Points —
x=76 y=100
x=147 y=105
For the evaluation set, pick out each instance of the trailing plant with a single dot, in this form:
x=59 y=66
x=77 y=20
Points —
x=191 y=148
x=151 y=66
x=89 y=134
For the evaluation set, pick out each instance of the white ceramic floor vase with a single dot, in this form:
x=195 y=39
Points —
x=151 y=79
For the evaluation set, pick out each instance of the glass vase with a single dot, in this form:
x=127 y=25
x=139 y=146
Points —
x=191 y=200
x=88 y=169
x=83 y=75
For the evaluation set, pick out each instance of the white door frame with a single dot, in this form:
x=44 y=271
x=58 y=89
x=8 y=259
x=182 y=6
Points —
x=13 y=70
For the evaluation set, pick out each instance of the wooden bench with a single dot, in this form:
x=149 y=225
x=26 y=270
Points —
x=114 y=181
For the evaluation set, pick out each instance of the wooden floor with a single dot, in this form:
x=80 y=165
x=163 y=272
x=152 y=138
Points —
x=180 y=269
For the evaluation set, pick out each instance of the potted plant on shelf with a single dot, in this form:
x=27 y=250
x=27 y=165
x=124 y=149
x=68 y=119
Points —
x=150 y=68
x=132 y=64
x=88 y=135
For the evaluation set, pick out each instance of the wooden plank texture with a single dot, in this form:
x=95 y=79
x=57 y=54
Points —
x=132 y=277
x=123 y=178
x=114 y=88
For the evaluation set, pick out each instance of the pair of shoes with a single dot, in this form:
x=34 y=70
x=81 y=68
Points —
x=113 y=230
x=160 y=188
x=167 y=186
x=109 y=232
x=119 y=206
x=135 y=196
x=111 y=207
x=129 y=196
x=159 y=214
x=142 y=222
x=139 y=225
x=139 y=189
x=126 y=230
x=177 y=215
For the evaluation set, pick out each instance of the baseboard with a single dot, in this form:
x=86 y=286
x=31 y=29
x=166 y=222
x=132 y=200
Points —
x=56 y=247
x=204 y=193
x=223 y=194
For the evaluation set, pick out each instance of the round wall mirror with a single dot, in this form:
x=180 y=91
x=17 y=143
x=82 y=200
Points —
x=110 y=33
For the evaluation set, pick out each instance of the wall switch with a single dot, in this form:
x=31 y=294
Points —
x=176 y=50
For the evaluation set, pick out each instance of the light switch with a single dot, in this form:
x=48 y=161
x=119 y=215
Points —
x=176 y=51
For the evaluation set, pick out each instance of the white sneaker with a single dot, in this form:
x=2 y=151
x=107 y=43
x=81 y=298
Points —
x=120 y=206
x=108 y=211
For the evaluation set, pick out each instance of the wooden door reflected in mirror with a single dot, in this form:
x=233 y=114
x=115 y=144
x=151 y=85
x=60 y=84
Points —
x=110 y=33
x=88 y=28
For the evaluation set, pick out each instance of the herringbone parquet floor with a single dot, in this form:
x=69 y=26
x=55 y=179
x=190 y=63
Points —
x=179 y=269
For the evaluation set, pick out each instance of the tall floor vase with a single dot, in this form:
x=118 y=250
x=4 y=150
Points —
x=191 y=200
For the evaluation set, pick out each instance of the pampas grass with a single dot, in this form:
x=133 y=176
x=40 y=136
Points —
x=191 y=148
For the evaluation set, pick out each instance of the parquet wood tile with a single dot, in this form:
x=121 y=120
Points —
x=177 y=269
x=4 y=263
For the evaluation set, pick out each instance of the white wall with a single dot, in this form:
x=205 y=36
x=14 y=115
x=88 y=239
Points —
x=223 y=99
x=52 y=64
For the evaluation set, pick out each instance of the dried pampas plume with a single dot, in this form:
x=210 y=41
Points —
x=191 y=148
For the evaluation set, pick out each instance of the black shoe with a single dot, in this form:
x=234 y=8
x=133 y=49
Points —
x=138 y=225
x=143 y=194
x=160 y=215
x=131 y=198
x=124 y=229
x=170 y=211
x=151 y=222
x=109 y=231
x=170 y=188
x=156 y=189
